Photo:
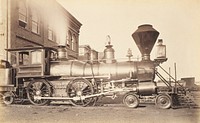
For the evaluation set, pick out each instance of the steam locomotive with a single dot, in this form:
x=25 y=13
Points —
x=44 y=74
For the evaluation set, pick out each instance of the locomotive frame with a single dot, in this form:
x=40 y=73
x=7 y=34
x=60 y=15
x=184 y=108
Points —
x=44 y=74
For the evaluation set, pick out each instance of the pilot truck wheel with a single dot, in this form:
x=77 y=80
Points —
x=8 y=98
x=131 y=100
x=1 y=98
x=163 y=101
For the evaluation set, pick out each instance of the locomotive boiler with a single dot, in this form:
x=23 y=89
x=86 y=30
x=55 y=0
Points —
x=41 y=78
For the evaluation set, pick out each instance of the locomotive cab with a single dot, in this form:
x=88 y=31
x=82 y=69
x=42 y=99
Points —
x=33 y=61
x=29 y=63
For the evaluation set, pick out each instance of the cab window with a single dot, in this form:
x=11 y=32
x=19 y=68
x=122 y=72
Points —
x=23 y=58
x=36 y=57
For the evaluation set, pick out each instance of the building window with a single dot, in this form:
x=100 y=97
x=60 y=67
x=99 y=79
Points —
x=74 y=43
x=1 y=13
x=81 y=51
x=50 y=34
x=57 y=38
x=69 y=39
x=22 y=14
x=35 y=22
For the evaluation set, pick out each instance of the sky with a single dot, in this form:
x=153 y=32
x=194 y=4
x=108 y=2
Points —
x=178 y=22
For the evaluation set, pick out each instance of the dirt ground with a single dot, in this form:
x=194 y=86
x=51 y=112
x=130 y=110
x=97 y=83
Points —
x=108 y=113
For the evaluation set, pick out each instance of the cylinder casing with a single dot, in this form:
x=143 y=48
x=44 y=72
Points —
x=146 y=88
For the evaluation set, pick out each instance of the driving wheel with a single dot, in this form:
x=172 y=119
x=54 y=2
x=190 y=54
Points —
x=39 y=88
x=78 y=88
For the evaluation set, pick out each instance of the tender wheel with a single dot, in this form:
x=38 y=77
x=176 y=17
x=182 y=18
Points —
x=1 y=98
x=131 y=100
x=8 y=98
x=38 y=88
x=163 y=101
x=80 y=87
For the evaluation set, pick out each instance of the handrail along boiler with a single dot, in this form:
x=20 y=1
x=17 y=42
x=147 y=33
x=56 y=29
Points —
x=41 y=77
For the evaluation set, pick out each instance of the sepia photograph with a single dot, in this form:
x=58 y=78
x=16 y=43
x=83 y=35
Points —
x=99 y=61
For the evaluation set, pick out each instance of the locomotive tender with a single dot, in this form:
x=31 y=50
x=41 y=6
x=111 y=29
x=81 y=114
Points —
x=44 y=74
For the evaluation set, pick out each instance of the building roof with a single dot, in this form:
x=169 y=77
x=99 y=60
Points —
x=70 y=15
x=30 y=48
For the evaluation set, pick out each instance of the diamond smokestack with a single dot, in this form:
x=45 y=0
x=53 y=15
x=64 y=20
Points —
x=145 y=37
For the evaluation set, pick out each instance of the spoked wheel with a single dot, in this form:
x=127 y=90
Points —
x=94 y=101
x=80 y=87
x=38 y=88
x=8 y=98
x=163 y=101
x=131 y=100
x=1 y=98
